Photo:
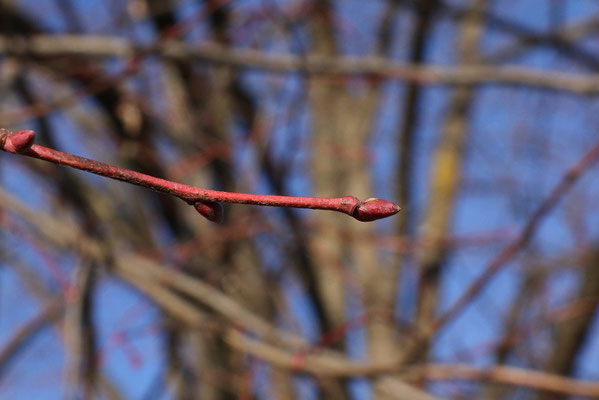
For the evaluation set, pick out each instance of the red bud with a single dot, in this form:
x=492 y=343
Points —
x=19 y=141
x=212 y=211
x=373 y=209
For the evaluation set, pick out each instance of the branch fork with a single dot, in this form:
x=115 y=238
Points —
x=206 y=202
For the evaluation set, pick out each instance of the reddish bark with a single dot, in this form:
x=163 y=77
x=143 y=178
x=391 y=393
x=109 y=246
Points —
x=205 y=201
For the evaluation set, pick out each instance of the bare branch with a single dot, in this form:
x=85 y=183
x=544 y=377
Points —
x=510 y=251
x=205 y=201
x=50 y=311
x=512 y=376
x=369 y=66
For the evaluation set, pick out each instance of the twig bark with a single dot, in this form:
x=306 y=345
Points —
x=204 y=200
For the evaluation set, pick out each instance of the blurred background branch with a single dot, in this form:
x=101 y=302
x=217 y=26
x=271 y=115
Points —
x=477 y=117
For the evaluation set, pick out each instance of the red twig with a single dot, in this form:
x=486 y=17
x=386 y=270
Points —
x=206 y=202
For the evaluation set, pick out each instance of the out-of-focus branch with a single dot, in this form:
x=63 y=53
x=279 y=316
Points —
x=446 y=173
x=510 y=376
x=524 y=33
x=37 y=288
x=177 y=307
x=510 y=251
x=562 y=38
x=513 y=332
x=571 y=334
x=284 y=353
x=20 y=338
x=326 y=363
x=78 y=332
x=388 y=387
x=239 y=319
x=79 y=327
x=411 y=110
x=370 y=66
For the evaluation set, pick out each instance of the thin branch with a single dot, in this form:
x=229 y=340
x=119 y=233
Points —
x=562 y=38
x=40 y=292
x=375 y=66
x=511 y=376
x=573 y=330
x=50 y=311
x=446 y=172
x=177 y=307
x=206 y=202
x=511 y=250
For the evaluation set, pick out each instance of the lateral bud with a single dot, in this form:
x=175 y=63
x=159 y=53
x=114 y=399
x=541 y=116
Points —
x=210 y=210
